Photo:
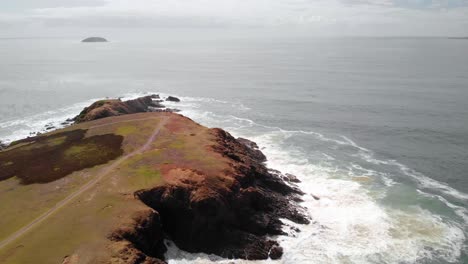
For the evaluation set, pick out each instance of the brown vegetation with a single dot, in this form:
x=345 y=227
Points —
x=45 y=159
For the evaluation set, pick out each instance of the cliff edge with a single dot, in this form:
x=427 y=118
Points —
x=117 y=188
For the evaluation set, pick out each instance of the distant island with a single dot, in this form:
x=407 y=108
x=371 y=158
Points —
x=94 y=39
x=458 y=37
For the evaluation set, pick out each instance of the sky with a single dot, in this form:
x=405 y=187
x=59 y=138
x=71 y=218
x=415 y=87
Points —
x=314 y=17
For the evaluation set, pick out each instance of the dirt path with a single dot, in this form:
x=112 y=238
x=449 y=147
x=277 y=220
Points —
x=88 y=185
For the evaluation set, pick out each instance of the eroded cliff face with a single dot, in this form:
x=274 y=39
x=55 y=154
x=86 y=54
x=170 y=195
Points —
x=230 y=215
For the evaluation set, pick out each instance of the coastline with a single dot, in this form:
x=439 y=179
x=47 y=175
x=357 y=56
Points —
x=348 y=193
x=246 y=204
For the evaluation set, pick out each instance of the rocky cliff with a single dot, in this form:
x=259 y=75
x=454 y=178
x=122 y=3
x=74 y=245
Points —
x=231 y=217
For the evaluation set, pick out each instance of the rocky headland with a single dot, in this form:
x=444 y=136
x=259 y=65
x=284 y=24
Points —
x=116 y=107
x=200 y=188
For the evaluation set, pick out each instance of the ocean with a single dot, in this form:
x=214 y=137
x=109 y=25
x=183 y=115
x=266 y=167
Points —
x=375 y=127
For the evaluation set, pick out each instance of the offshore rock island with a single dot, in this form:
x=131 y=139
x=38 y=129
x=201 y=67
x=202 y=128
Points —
x=128 y=176
x=94 y=39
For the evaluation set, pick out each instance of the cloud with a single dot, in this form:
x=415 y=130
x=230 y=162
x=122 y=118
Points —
x=420 y=17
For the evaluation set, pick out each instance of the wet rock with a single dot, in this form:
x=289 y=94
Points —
x=172 y=99
x=157 y=104
x=155 y=96
x=49 y=126
x=276 y=252
x=254 y=150
x=167 y=110
x=291 y=178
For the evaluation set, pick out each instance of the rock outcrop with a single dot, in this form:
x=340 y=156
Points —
x=115 y=107
x=3 y=146
x=172 y=99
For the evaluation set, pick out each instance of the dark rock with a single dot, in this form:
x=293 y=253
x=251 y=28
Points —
x=168 y=110
x=94 y=39
x=172 y=99
x=146 y=239
x=291 y=178
x=276 y=252
x=157 y=104
x=114 y=107
x=155 y=96
x=3 y=145
x=254 y=151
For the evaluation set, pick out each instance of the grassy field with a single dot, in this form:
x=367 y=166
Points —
x=81 y=228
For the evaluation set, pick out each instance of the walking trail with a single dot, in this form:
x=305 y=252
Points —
x=88 y=185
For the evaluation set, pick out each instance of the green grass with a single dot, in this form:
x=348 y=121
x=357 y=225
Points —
x=81 y=151
x=55 y=141
x=126 y=130
x=144 y=177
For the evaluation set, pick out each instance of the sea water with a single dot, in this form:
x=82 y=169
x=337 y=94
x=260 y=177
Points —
x=377 y=128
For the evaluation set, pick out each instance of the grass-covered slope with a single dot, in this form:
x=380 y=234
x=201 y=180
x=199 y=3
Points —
x=110 y=190
x=33 y=186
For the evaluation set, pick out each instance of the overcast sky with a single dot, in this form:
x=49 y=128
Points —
x=319 y=17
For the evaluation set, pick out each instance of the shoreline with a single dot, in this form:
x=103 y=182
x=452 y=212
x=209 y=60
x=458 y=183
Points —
x=246 y=183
